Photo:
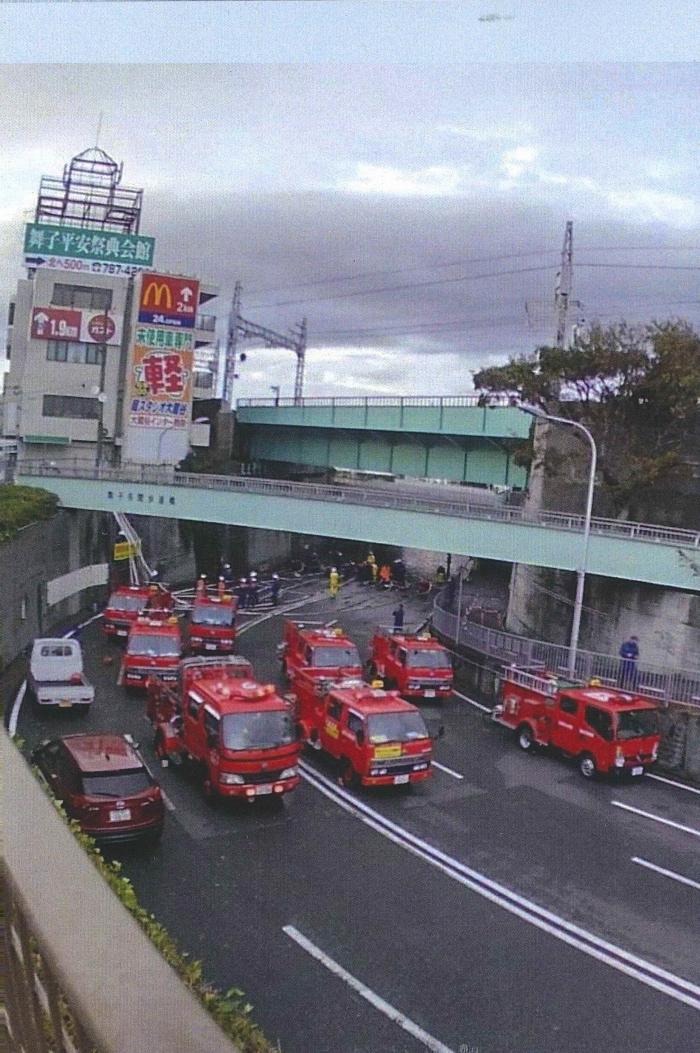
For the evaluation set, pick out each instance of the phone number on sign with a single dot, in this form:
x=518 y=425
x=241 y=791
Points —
x=61 y=263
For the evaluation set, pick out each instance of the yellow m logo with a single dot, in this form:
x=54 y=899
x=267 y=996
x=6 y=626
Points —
x=154 y=293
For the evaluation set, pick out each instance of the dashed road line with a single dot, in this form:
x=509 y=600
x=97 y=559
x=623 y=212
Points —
x=646 y=972
x=666 y=873
x=657 y=818
x=448 y=771
x=673 y=782
x=427 y=1040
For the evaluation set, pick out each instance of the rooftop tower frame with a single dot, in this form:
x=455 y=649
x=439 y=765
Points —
x=89 y=194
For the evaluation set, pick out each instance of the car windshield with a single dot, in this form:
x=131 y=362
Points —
x=126 y=603
x=204 y=614
x=256 y=731
x=116 y=783
x=396 y=727
x=428 y=659
x=154 y=646
x=335 y=657
x=637 y=723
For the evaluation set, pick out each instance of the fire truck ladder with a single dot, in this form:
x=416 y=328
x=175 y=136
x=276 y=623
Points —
x=137 y=562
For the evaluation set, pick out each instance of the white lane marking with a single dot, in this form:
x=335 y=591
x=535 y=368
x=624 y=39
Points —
x=16 y=706
x=657 y=818
x=166 y=800
x=19 y=697
x=640 y=969
x=471 y=701
x=672 y=782
x=376 y=1000
x=454 y=774
x=666 y=873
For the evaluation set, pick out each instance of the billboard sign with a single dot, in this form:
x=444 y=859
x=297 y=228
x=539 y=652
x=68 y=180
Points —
x=160 y=387
x=45 y=245
x=67 y=323
x=168 y=301
x=153 y=336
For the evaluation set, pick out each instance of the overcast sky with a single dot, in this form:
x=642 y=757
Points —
x=413 y=213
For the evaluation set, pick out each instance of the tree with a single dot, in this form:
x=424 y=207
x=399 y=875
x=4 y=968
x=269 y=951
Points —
x=636 y=388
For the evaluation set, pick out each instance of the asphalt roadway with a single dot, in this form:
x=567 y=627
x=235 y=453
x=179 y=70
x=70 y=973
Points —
x=504 y=906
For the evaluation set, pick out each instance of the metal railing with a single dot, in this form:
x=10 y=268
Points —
x=375 y=496
x=670 y=685
x=437 y=401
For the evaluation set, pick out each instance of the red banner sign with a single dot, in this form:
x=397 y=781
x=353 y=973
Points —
x=168 y=301
x=55 y=323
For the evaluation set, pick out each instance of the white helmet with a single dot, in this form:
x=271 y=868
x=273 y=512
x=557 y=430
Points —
x=333 y=570
x=253 y=574
x=275 y=577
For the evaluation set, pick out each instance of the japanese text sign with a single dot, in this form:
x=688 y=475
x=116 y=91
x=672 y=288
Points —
x=168 y=301
x=67 y=323
x=42 y=240
x=160 y=393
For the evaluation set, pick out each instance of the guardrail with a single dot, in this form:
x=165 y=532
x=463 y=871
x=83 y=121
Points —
x=378 y=497
x=438 y=401
x=669 y=685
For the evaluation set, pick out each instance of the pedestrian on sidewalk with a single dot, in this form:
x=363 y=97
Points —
x=629 y=653
x=398 y=615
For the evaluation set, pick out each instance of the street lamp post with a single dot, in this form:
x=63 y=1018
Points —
x=535 y=411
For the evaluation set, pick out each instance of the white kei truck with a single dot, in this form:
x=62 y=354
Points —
x=56 y=676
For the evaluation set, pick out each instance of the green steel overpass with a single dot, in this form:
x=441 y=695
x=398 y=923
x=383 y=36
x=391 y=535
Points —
x=630 y=551
x=438 y=438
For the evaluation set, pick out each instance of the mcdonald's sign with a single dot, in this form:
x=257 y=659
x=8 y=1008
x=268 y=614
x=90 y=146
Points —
x=170 y=301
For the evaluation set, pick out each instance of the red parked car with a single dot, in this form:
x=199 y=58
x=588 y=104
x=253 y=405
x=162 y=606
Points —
x=104 y=784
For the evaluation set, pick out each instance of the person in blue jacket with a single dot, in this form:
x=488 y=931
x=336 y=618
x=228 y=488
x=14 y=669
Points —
x=629 y=653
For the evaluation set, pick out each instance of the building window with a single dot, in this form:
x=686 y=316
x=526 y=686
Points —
x=74 y=406
x=11 y=313
x=74 y=351
x=81 y=296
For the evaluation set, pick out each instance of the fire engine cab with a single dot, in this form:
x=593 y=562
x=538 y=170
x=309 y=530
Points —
x=127 y=602
x=320 y=651
x=606 y=730
x=240 y=733
x=212 y=625
x=377 y=738
x=153 y=648
x=416 y=664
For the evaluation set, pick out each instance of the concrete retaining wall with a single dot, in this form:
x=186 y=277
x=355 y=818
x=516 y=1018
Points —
x=70 y=540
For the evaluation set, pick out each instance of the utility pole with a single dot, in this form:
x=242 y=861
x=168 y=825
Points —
x=239 y=326
x=562 y=291
x=231 y=342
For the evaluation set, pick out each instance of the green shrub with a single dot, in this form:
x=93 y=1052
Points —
x=21 y=505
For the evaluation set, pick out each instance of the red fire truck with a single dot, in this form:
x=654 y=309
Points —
x=416 y=664
x=606 y=730
x=376 y=737
x=124 y=606
x=153 y=648
x=240 y=733
x=324 y=652
x=212 y=625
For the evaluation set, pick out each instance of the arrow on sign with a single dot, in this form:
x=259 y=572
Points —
x=34 y=261
x=186 y=294
x=41 y=318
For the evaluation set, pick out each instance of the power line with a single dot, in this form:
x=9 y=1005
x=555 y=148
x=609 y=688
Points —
x=404 y=270
x=408 y=285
